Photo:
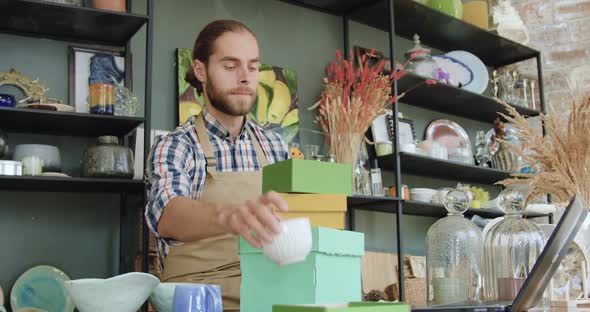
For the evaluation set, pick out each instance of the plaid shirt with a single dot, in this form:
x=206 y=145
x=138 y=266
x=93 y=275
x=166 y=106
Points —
x=176 y=165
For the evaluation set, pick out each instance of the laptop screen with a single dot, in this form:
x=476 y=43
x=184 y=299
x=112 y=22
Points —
x=542 y=272
x=538 y=279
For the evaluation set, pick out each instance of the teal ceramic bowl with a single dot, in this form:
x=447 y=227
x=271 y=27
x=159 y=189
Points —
x=41 y=287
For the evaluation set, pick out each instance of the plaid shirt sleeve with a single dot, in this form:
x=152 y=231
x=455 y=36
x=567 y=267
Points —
x=169 y=173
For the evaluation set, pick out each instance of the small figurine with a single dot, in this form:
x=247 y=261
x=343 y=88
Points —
x=495 y=83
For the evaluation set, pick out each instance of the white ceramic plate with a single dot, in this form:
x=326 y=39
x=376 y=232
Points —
x=476 y=66
x=571 y=267
x=459 y=73
x=59 y=107
x=41 y=287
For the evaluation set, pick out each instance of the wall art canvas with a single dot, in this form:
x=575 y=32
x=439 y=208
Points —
x=276 y=106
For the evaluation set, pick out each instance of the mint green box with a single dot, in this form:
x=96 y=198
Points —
x=351 y=307
x=307 y=176
x=330 y=273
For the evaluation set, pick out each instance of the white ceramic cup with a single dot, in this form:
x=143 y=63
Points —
x=32 y=166
x=292 y=245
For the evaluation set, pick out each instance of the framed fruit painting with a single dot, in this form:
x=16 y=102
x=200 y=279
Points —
x=276 y=106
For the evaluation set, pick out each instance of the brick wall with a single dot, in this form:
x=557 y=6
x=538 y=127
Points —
x=560 y=29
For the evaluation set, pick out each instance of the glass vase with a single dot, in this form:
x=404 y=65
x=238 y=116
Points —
x=453 y=254
x=346 y=146
x=511 y=248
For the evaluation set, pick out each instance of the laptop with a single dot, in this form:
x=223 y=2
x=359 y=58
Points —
x=531 y=292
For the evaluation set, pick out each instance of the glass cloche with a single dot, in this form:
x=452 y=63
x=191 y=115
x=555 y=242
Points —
x=422 y=63
x=511 y=248
x=453 y=254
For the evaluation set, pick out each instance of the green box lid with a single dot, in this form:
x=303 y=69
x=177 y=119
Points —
x=307 y=176
x=327 y=241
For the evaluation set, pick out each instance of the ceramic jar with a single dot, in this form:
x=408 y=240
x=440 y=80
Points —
x=505 y=158
x=108 y=159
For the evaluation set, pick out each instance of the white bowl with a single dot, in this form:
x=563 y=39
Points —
x=48 y=153
x=422 y=194
x=423 y=190
x=162 y=298
x=292 y=245
x=122 y=293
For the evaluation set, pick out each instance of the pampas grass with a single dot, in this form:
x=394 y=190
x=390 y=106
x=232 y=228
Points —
x=561 y=159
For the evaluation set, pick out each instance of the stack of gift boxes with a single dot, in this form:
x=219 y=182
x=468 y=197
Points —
x=331 y=273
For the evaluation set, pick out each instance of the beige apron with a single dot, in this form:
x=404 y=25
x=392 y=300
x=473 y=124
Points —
x=216 y=260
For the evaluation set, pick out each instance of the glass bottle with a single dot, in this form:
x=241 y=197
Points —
x=482 y=154
x=419 y=60
x=376 y=181
x=361 y=176
x=511 y=248
x=453 y=253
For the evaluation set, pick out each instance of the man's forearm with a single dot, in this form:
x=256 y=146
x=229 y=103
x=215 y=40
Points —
x=186 y=220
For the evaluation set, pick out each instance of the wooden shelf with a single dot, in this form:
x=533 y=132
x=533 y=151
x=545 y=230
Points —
x=70 y=185
x=448 y=99
x=64 y=22
x=436 y=29
x=63 y=123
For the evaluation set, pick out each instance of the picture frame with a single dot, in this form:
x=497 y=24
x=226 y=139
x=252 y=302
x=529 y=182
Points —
x=407 y=131
x=375 y=57
x=111 y=64
x=136 y=141
x=382 y=129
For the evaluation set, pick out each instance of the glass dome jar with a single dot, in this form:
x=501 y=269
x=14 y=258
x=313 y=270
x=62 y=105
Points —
x=108 y=159
x=453 y=253
x=511 y=248
x=419 y=60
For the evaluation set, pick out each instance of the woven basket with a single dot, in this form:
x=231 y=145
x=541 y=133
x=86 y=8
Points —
x=415 y=291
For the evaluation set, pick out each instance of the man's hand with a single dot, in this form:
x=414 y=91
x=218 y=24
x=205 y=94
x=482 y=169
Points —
x=256 y=221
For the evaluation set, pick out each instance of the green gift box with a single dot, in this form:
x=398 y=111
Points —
x=330 y=273
x=351 y=307
x=307 y=176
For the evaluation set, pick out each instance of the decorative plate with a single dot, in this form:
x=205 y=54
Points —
x=571 y=270
x=41 y=287
x=448 y=133
x=479 y=70
x=459 y=73
x=55 y=174
x=48 y=106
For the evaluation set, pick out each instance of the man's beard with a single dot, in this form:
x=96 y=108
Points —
x=221 y=100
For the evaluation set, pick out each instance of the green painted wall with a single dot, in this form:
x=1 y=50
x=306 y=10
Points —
x=79 y=232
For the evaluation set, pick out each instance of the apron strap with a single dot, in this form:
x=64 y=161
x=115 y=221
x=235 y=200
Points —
x=258 y=148
x=211 y=158
x=203 y=134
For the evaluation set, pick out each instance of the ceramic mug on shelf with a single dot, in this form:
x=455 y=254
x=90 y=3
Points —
x=32 y=166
